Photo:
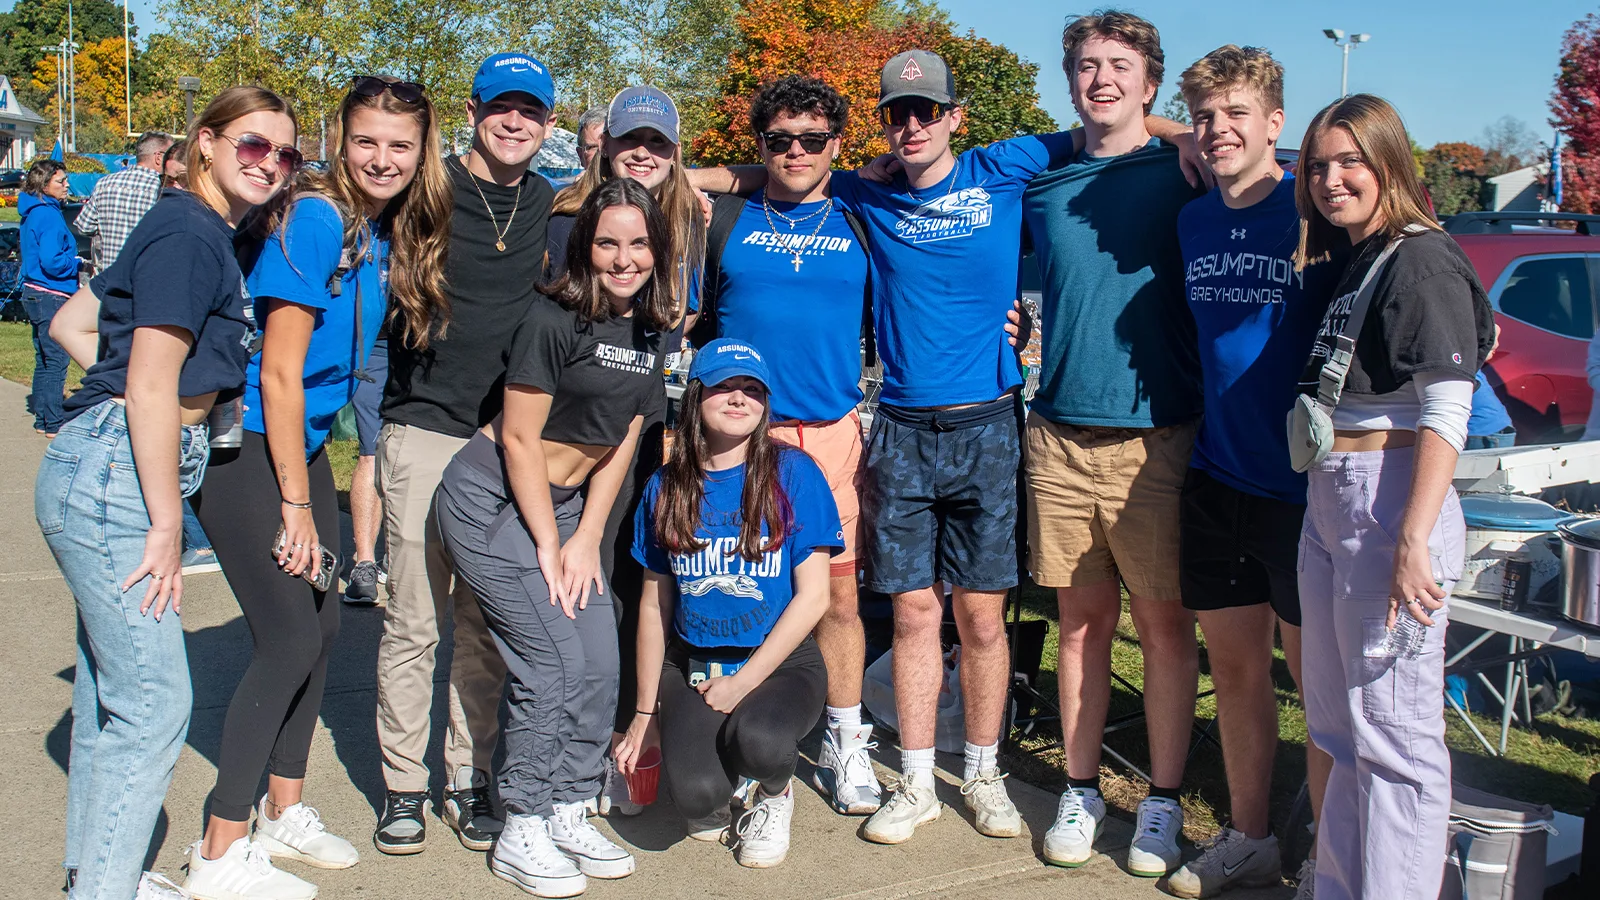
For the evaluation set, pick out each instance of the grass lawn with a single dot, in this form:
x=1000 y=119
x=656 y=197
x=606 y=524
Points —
x=9 y=214
x=16 y=355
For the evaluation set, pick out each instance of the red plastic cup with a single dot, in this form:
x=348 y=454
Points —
x=645 y=779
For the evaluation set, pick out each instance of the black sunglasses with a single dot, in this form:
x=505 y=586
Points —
x=899 y=112
x=811 y=141
x=251 y=149
x=372 y=86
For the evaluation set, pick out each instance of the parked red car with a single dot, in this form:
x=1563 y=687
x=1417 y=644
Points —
x=1542 y=282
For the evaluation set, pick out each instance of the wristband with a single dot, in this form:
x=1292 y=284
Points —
x=293 y=505
x=641 y=712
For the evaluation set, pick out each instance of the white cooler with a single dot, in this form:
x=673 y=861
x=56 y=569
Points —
x=1501 y=527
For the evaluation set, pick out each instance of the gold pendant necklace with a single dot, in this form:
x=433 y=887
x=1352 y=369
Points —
x=499 y=236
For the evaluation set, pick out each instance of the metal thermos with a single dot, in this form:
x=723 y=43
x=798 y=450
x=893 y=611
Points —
x=226 y=423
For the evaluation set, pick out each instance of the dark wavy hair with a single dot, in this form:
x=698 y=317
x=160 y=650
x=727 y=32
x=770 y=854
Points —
x=798 y=95
x=39 y=175
x=683 y=486
x=580 y=288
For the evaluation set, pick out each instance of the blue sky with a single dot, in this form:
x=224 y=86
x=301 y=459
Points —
x=1450 y=68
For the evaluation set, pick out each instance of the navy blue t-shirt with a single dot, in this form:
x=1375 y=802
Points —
x=944 y=271
x=176 y=269
x=1118 y=341
x=805 y=319
x=1256 y=318
x=723 y=599
x=297 y=266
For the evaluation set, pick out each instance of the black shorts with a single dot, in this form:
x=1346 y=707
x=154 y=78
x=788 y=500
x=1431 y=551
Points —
x=1237 y=549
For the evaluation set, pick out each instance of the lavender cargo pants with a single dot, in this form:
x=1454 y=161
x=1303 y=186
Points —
x=1382 y=834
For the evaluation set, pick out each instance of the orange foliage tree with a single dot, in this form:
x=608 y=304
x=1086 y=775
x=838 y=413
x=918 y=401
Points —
x=846 y=42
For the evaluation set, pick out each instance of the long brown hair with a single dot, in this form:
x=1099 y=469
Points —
x=580 y=290
x=683 y=486
x=1380 y=135
x=417 y=219
x=231 y=104
x=686 y=220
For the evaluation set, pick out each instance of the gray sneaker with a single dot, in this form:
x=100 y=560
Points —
x=993 y=813
x=362 y=586
x=1308 y=881
x=1228 y=860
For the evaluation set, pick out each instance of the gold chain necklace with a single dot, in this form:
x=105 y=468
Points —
x=766 y=207
x=499 y=236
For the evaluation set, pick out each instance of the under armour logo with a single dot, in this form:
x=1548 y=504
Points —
x=1238 y=234
x=912 y=71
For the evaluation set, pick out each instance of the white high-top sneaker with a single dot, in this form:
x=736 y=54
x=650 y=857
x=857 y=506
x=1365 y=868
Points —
x=525 y=856
x=596 y=855
x=244 y=872
x=299 y=834
x=844 y=771
x=764 y=831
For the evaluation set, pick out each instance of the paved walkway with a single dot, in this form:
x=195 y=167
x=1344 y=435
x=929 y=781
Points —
x=827 y=860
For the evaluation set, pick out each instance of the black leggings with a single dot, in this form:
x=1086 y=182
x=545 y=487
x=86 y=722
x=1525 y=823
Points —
x=704 y=751
x=292 y=624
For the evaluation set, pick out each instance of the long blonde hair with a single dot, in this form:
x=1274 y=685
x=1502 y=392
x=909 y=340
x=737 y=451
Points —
x=232 y=104
x=1380 y=135
x=679 y=202
x=417 y=219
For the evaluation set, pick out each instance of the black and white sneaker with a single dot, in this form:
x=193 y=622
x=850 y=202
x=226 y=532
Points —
x=403 y=828
x=361 y=588
x=468 y=812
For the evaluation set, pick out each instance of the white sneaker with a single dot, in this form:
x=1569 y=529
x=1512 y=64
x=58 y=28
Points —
x=157 y=887
x=244 y=872
x=764 y=831
x=710 y=828
x=596 y=855
x=908 y=806
x=614 y=797
x=993 y=813
x=844 y=771
x=299 y=834
x=1155 y=838
x=1307 y=879
x=525 y=856
x=1228 y=860
x=1080 y=815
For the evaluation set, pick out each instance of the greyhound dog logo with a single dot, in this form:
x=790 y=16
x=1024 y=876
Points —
x=732 y=585
x=953 y=215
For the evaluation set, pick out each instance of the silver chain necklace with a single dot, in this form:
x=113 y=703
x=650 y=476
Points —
x=794 y=250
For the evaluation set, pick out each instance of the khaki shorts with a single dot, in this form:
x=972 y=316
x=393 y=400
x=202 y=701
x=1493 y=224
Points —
x=836 y=446
x=1103 y=502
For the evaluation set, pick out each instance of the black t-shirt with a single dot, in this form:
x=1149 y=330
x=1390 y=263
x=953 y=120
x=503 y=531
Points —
x=456 y=385
x=599 y=374
x=1429 y=313
x=177 y=268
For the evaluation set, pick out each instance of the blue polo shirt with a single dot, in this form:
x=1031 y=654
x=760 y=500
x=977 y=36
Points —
x=805 y=319
x=944 y=271
x=296 y=266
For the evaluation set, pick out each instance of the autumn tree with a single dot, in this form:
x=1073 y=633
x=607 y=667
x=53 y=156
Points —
x=1575 y=110
x=1508 y=143
x=1453 y=173
x=845 y=42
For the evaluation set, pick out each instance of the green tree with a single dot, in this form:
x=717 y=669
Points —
x=1453 y=174
x=1177 y=109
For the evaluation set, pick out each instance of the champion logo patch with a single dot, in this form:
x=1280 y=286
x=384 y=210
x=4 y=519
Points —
x=911 y=72
x=1455 y=358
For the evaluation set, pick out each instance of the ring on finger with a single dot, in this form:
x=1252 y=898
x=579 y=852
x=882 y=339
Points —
x=1413 y=602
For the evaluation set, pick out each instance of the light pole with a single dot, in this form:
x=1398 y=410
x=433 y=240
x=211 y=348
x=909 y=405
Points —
x=1346 y=44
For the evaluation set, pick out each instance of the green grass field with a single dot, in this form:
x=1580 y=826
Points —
x=9 y=214
x=1549 y=764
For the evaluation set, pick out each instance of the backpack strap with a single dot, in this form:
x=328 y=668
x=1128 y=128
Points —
x=724 y=215
x=348 y=260
x=1330 y=381
x=869 y=338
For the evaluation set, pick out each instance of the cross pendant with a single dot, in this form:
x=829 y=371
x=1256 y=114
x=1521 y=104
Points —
x=797 y=262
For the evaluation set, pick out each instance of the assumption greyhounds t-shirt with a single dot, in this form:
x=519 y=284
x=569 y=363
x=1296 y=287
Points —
x=723 y=599
x=944 y=271
x=1255 y=317
x=296 y=265
x=805 y=318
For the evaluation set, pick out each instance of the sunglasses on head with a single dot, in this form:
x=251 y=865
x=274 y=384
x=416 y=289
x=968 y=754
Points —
x=811 y=141
x=253 y=148
x=899 y=112
x=372 y=86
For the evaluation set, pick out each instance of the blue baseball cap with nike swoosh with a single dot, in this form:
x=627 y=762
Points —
x=726 y=358
x=503 y=73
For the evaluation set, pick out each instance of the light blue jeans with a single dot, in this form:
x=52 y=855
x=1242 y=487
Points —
x=131 y=696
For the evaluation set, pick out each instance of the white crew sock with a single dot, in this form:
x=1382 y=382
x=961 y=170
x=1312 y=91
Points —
x=917 y=766
x=840 y=717
x=978 y=759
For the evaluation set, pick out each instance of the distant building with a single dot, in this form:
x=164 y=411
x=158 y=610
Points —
x=18 y=124
x=1519 y=189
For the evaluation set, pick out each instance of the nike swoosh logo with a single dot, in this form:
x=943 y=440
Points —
x=738 y=356
x=1227 y=870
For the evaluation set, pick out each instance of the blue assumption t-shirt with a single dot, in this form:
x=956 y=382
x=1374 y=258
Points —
x=806 y=320
x=944 y=271
x=1489 y=415
x=1256 y=318
x=723 y=599
x=1118 y=341
x=178 y=269
x=296 y=266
